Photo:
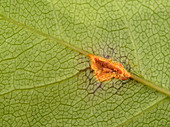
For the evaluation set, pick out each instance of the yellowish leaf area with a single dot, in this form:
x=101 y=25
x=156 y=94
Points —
x=105 y=69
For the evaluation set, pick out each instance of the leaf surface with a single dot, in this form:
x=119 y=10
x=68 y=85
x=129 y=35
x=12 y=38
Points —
x=43 y=83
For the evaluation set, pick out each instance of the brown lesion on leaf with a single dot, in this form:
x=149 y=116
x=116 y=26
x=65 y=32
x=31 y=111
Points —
x=101 y=89
x=105 y=69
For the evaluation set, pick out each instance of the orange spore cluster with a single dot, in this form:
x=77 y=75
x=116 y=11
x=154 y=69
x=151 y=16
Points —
x=105 y=69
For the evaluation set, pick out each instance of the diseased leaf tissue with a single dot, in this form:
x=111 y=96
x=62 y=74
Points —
x=105 y=69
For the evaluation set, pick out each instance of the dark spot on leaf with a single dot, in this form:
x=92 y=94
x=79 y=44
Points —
x=96 y=90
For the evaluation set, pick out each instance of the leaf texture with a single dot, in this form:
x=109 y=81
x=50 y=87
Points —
x=43 y=83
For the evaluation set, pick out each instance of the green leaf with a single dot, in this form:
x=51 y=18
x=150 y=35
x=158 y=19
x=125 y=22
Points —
x=45 y=82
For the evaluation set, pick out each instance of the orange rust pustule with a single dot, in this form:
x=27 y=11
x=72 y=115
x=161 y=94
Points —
x=105 y=69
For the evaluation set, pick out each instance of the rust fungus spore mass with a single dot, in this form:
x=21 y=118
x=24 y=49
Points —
x=105 y=69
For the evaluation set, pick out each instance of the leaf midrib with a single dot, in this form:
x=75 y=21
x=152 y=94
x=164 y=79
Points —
x=50 y=37
x=67 y=45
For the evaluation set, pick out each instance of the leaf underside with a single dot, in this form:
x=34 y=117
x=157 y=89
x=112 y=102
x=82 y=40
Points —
x=43 y=83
